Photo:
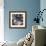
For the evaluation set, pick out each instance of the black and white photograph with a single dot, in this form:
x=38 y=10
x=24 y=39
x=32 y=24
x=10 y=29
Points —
x=17 y=18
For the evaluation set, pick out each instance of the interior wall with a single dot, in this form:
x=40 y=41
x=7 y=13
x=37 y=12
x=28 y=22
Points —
x=1 y=20
x=43 y=6
x=31 y=6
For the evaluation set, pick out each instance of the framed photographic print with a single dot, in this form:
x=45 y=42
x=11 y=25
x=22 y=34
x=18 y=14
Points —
x=17 y=19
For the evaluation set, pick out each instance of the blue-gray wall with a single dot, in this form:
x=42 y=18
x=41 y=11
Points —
x=43 y=6
x=31 y=6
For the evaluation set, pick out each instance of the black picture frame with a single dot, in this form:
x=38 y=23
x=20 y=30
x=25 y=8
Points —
x=17 y=19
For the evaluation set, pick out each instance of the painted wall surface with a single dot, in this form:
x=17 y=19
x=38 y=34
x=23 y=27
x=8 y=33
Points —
x=31 y=6
x=1 y=21
x=43 y=6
